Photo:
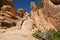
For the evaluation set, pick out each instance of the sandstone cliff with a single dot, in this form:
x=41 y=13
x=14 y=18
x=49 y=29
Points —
x=47 y=16
x=51 y=12
x=42 y=19
x=8 y=15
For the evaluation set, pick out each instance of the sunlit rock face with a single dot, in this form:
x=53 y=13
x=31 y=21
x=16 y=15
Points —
x=33 y=9
x=51 y=11
x=7 y=6
x=27 y=15
x=38 y=19
x=47 y=16
x=7 y=13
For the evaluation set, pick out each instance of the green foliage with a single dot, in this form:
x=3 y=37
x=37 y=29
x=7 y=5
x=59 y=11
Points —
x=37 y=34
x=53 y=35
x=50 y=35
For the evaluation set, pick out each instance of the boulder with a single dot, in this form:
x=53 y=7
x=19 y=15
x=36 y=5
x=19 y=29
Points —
x=6 y=2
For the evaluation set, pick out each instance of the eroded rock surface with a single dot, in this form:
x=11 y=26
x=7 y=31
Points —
x=51 y=12
x=24 y=34
x=8 y=16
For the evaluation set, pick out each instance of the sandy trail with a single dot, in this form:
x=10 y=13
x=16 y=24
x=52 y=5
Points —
x=24 y=34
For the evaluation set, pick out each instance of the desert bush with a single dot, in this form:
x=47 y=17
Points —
x=50 y=35
x=37 y=34
x=53 y=35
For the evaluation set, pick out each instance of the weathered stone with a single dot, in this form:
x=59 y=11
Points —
x=6 y=2
x=33 y=9
x=40 y=4
x=51 y=12
x=8 y=8
x=27 y=15
x=39 y=19
x=21 y=13
x=7 y=5
x=33 y=5
x=8 y=17
x=35 y=17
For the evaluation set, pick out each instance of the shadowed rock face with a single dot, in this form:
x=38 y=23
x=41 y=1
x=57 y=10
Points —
x=57 y=2
x=7 y=24
x=6 y=2
x=52 y=12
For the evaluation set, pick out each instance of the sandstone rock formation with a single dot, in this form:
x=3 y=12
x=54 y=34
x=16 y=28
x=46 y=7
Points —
x=46 y=17
x=51 y=12
x=8 y=17
x=38 y=17
x=27 y=15
x=8 y=8
x=56 y=2
x=6 y=2
x=7 y=5
x=21 y=13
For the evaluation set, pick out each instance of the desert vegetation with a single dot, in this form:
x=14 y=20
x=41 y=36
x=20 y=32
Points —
x=48 y=35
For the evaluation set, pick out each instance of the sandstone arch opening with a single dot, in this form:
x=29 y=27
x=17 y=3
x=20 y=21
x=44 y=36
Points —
x=56 y=2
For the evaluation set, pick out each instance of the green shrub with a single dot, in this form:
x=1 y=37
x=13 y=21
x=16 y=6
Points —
x=50 y=35
x=37 y=35
x=53 y=35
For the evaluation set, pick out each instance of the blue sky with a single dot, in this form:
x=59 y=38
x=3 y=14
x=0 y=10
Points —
x=25 y=4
